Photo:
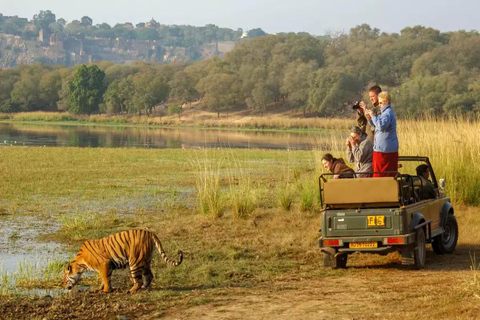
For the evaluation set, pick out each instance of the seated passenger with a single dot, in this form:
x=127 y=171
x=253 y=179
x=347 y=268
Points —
x=360 y=152
x=428 y=190
x=337 y=166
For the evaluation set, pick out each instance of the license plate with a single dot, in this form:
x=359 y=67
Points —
x=376 y=221
x=363 y=245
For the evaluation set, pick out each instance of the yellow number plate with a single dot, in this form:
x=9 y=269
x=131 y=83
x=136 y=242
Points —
x=375 y=221
x=363 y=245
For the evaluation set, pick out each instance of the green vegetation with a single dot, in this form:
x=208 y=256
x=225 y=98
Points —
x=428 y=73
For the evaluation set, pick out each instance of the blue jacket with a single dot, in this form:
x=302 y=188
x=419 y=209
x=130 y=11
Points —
x=385 y=124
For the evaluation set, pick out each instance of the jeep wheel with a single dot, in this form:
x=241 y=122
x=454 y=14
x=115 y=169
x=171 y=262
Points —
x=341 y=261
x=447 y=241
x=330 y=261
x=420 y=252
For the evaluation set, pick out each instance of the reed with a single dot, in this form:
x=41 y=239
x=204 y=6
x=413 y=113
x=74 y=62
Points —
x=207 y=184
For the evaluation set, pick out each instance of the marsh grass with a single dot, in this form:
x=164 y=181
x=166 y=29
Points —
x=45 y=274
x=207 y=183
x=286 y=196
x=242 y=196
x=309 y=195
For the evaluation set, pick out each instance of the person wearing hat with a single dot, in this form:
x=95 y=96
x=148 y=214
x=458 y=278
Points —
x=360 y=152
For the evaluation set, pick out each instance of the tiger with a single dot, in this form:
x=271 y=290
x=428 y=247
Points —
x=131 y=248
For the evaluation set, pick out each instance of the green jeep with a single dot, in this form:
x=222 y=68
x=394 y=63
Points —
x=381 y=215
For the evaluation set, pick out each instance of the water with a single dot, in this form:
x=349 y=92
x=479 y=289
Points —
x=146 y=137
x=19 y=242
x=23 y=255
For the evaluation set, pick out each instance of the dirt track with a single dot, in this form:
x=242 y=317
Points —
x=373 y=287
x=362 y=293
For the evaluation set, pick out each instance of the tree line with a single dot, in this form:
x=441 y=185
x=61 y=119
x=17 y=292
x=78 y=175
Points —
x=168 y=35
x=428 y=72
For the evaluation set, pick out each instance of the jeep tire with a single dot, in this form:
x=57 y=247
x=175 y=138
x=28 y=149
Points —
x=420 y=251
x=332 y=261
x=447 y=241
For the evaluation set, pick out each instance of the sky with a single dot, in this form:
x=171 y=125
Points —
x=316 y=17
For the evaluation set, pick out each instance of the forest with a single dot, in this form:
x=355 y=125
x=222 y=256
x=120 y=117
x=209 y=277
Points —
x=428 y=73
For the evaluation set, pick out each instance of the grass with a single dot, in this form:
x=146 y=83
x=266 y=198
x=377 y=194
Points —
x=46 y=274
x=190 y=118
x=265 y=209
x=207 y=183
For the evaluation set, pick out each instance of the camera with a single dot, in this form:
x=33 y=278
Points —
x=356 y=105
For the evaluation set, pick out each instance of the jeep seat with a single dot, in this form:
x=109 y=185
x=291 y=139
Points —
x=373 y=192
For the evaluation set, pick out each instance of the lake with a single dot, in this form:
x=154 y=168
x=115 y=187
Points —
x=150 y=137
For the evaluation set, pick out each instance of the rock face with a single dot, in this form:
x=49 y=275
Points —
x=71 y=51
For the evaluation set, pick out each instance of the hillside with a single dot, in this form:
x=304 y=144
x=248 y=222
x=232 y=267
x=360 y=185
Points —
x=50 y=40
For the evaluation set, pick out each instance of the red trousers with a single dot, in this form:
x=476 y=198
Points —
x=385 y=162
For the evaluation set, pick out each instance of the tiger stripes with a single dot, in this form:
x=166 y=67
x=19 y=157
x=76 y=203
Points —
x=132 y=248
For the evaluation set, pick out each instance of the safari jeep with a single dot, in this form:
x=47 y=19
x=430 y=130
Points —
x=381 y=215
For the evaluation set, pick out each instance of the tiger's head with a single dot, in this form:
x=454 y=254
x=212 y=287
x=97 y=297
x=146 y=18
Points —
x=72 y=274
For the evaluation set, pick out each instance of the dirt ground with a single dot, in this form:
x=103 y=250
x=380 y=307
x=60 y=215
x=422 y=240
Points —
x=370 y=288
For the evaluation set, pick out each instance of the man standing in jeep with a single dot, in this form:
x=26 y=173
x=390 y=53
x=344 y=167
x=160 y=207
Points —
x=362 y=120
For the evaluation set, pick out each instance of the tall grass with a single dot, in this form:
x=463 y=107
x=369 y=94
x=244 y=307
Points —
x=42 y=116
x=207 y=184
x=453 y=147
x=43 y=274
x=243 y=200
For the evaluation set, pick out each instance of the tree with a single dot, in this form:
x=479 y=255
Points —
x=261 y=96
x=175 y=109
x=62 y=22
x=85 y=90
x=118 y=96
x=183 y=88
x=43 y=19
x=330 y=89
x=86 y=21
x=257 y=32
x=149 y=90
x=295 y=82
x=50 y=86
x=147 y=34
x=217 y=93
x=75 y=29
x=8 y=78
x=26 y=91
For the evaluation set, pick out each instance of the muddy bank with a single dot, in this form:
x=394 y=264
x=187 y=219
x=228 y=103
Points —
x=85 y=305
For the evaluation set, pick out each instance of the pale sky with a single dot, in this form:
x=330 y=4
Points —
x=273 y=16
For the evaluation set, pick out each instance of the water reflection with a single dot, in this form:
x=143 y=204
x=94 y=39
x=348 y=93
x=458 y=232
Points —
x=171 y=138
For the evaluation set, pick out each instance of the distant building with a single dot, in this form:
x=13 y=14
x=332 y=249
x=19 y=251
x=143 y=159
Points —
x=151 y=24
x=244 y=34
